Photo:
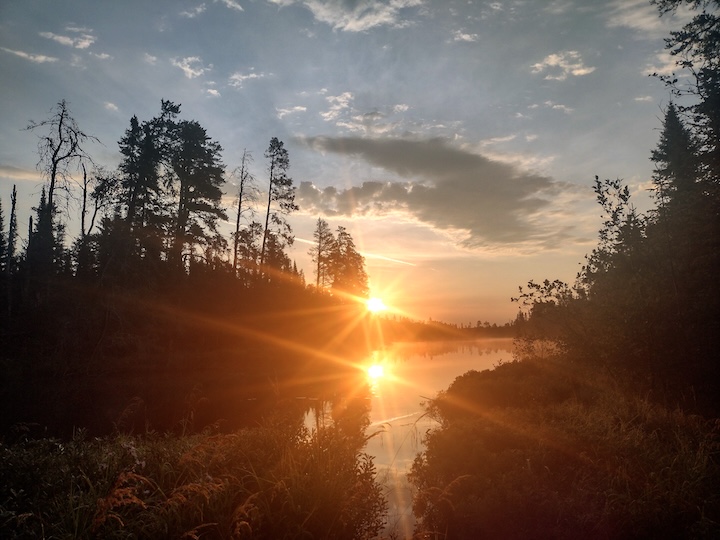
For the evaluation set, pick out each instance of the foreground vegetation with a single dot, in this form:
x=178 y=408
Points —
x=275 y=481
x=539 y=448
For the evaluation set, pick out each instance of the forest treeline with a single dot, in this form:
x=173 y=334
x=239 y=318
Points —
x=606 y=425
x=151 y=287
x=645 y=306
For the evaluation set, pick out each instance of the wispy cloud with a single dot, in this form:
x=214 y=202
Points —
x=459 y=35
x=36 y=58
x=194 y=12
x=192 y=66
x=16 y=173
x=354 y=15
x=212 y=92
x=110 y=106
x=558 y=66
x=643 y=98
x=237 y=79
x=498 y=140
x=83 y=41
x=231 y=4
x=643 y=18
x=486 y=202
x=665 y=64
x=292 y=110
x=337 y=105
x=549 y=104
x=101 y=56
x=558 y=107
x=150 y=59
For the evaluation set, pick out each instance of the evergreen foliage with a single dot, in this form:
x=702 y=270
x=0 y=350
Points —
x=645 y=305
x=348 y=266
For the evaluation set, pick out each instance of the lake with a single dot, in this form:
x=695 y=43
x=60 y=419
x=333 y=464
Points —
x=401 y=378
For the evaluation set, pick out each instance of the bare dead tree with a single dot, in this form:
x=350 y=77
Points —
x=61 y=149
x=247 y=193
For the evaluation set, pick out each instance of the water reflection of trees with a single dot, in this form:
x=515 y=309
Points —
x=431 y=349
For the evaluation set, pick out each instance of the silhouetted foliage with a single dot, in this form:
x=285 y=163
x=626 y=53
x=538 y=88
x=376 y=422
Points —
x=347 y=266
x=541 y=448
x=280 y=201
x=645 y=305
x=246 y=195
x=321 y=254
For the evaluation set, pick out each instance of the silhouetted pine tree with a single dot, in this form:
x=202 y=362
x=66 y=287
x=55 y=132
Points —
x=348 y=266
x=199 y=174
x=280 y=201
x=322 y=254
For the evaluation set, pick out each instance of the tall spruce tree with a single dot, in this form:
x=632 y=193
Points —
x=322 y=254
x=12 y=234
x=676 y=162
x=199 y=171
x=280 y=201
x=348 y=266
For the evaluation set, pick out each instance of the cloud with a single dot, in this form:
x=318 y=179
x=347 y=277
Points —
x=231 y=4
x=16 y=173
x=356 y=15
x=150 y=59
x=192 y=66
x=342 y=114
x=666 y=64
x=237 y=79
x=79 y=29
x=558 y=66
x=337 y=105
x=81 y=42
x=468 y=38
x=485 y=202
x=498 y=140
x=37 y=58
x=212 y=92
x=644 y=98
x=644 y=18
x=101 y=56
x=549 y=104
x=291 y=110
x=111 y=106
x=558 y=107
x=194 y=12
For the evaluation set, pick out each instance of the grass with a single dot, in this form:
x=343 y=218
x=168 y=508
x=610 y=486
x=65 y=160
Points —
x=275 y=481
x=540 y=448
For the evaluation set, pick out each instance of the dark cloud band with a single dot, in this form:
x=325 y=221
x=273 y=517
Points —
x=447 y=187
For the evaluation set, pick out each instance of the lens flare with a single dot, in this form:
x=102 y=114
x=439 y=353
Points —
x=375 y=305
x=375 y=371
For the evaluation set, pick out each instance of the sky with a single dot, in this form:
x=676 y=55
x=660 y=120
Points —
x=456 y=140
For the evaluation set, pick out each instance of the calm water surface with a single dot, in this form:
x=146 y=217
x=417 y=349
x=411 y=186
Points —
x=412 y=373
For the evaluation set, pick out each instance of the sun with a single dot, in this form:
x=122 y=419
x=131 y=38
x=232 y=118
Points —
x=375 y=372
x=375 y=305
